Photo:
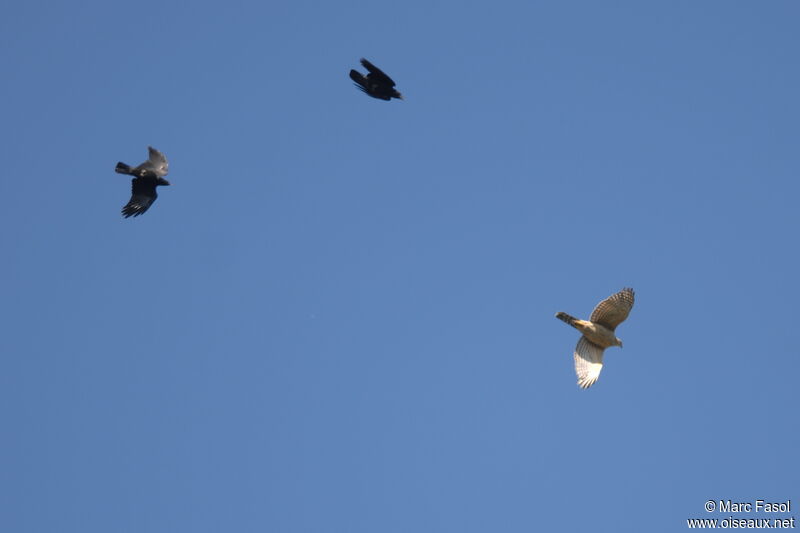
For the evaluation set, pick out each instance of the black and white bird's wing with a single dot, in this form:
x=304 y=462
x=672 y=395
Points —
x=588 y=362
x=377 y=74
x=157 y=163
x=143 y=194
x=612 y=311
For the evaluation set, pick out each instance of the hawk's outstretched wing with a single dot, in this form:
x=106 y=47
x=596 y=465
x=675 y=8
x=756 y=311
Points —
x=588 y=362
x=614 y=309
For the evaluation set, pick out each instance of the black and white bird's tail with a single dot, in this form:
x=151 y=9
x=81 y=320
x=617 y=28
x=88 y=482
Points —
x=569 y=319
x=122 y=168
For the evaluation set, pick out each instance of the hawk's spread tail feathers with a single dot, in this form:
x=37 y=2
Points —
x=569 y=319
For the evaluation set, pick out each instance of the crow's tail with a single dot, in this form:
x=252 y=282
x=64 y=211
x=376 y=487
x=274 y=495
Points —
x=122 y=168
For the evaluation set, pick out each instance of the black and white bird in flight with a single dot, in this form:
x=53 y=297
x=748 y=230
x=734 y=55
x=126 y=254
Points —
x=375 y=83
x=147 y=177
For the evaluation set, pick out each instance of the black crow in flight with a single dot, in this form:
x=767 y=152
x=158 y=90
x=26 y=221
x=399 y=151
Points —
x=148 y=176
x=376 y=83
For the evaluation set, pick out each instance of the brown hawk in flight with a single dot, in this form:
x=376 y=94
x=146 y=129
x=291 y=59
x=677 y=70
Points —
x=598 y=334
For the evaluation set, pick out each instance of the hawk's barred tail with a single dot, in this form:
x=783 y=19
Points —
x=122 y=168
x=566 y=318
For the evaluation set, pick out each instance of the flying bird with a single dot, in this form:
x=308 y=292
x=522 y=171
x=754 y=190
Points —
x=598 y=334
x=376 y=83
x=148 y=176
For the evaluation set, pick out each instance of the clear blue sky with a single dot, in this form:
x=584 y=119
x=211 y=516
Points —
x=339 y=317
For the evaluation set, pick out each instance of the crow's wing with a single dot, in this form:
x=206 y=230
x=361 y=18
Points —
x=377 y=73
x=143 y=194
x=361 y=81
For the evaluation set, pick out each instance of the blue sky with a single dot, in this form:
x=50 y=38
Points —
x=339 y=317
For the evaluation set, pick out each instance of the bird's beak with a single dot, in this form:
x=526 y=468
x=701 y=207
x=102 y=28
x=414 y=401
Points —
x=401 y=97
x=165 y=182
